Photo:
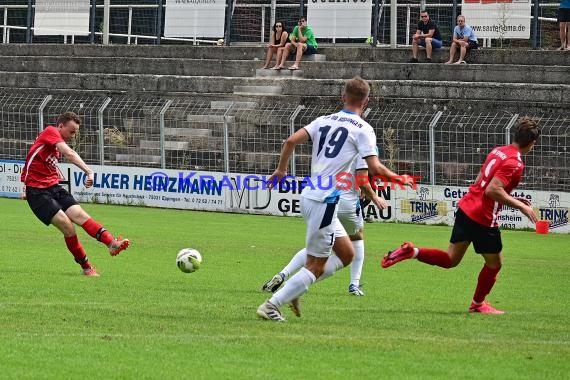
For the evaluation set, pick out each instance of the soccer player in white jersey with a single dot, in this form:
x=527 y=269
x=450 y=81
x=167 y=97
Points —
x=351 y=218
x=338 y=139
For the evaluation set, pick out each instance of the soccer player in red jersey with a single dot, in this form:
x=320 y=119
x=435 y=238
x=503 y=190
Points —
x=51 y=203
x=477 y=215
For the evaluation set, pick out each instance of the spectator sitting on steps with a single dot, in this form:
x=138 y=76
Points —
x=302 y=43
x=564 y=24
x=427 y=35
x=463 y=39
x=277 y=40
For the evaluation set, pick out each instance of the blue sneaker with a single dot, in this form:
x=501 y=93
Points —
x=355 y=290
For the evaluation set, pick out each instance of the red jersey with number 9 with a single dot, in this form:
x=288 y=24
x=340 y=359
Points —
x=504 y=163
x=41 y=168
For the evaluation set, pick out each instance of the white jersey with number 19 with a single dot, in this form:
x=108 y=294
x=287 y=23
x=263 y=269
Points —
x=338 y=139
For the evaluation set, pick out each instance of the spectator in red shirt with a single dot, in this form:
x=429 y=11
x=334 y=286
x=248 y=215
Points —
x=477 y=215
x=51 y=203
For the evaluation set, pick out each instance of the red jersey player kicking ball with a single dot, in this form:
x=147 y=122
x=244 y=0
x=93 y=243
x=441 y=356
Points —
x=51 y=203
x=477 y=215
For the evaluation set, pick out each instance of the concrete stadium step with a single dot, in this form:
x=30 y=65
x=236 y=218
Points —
x=207 y=119
x=236 y=105
x=363 y=53
x=161 y=85
x=318 y=70
x=168 y=145
x=260 y=73
x=258 y=90
x=187 y=132
x=143 y=159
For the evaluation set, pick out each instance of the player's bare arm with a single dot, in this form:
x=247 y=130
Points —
x=75 y=159
x=377 y=168
x=369 y=192
x=299 y=137
x=496 y=191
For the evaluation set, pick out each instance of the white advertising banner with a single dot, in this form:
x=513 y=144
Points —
x=498 y=19
x=194 y=18
x=10 y=185
x=340 y=19
x=62 y=17
x=247 y=193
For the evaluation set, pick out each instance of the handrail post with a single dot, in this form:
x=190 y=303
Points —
x=291 y=131
x=432 y=125
x=162 y=133
x=100 y=121
x=508 y=128
x=41 y=112
x=227 y=139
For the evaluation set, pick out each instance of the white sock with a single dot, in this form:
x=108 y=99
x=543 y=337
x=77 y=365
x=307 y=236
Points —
x=357 y=262
x=294 y=288
x=296 y=263
x=332 y=265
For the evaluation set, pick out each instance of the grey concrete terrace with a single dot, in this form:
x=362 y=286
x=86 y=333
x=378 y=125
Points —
x=311 y=70
x=165 y=84
x=363 y=53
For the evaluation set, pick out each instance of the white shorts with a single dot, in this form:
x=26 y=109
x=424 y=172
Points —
x=350 y=216
x=323 y=226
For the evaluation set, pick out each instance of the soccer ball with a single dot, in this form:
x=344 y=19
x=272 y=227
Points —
x=220 y=42
x=188 y=260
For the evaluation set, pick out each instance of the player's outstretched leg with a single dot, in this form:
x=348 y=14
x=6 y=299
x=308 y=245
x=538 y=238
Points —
x=97 y=231
x=406 y=251
x=270 y=312
x=275 y=283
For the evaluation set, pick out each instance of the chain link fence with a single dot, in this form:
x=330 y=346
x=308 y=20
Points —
x=445 y=148
x=142 y=22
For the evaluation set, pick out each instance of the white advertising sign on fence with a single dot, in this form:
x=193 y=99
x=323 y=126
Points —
x=345 y=19
x=246 y=193
x=498 y=19
x=62 y=17
x=194 y=18
x=10 y=185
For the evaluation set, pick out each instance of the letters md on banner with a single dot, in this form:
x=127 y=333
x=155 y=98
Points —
x=498 y=19
x=62 y=17
x=347 y=19
x=194 y=18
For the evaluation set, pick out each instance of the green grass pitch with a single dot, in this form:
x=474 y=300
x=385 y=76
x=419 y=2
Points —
x=144 y=319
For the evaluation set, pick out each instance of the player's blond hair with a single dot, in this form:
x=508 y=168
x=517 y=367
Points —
x=356 y=91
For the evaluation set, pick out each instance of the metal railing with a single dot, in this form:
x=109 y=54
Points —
x=252 y=23
x=444 y=147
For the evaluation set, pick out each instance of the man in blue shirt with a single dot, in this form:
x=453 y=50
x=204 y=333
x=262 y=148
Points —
x=564 y=22
x=463 y=39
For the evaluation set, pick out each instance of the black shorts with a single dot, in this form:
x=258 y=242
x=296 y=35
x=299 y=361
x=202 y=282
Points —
x=564 y=15
x=45 y=203
x=472 y=45
x=484 y=239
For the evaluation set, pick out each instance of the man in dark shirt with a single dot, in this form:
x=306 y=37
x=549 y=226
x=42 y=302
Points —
x=427 y=35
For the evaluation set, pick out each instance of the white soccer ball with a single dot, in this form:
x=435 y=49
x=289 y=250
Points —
x=188 y=260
